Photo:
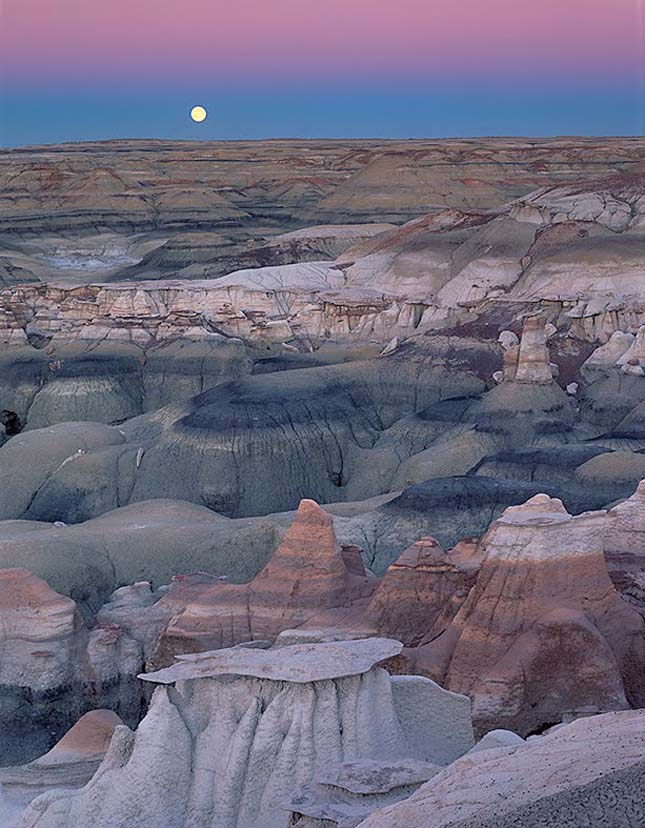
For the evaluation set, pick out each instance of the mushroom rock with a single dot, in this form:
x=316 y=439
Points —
x=543 y=633
x=424 y=584
x=589 y=772
x=243 y=729
x=308 y=574
x=533 y=363
x=71 y=763
x=625 y=547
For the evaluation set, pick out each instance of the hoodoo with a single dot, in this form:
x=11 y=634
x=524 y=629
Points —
x=231 y=735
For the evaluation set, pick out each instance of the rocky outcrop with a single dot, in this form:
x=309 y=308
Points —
x=70 y=764
x=442 y=270
x=404 y=182
x=424 y=584
x=587 y=773
x=633 y=360
x=609 y=354
x=243 y=729
x=625 y=547
x=54 y=667
x=39 y=632
x=543 y=632
x=306 y=576
x=135 y=185
x=346 y=795
x=308 y=244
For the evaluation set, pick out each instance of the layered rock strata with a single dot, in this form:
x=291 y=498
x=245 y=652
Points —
x=442 y=270
x=543 y=633
x=423 y=585
x=54 y=667
x=308 y=575
x=624 y=547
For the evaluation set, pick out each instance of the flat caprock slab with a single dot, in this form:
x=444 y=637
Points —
x=300 y=663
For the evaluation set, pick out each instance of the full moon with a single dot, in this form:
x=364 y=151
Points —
x=198 y=113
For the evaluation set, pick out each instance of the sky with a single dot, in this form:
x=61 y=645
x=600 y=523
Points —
x=74 y=70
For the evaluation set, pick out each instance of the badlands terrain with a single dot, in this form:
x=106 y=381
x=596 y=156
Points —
x=322 y=484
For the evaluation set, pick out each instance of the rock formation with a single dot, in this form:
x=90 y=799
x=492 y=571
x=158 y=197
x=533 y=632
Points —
x=54 y=667
x=625 y=547
x=543 y=632
x=306 y=576
x=438 y=271
x=349 y=793
x=589 y=772
x=188 y=356
x=529 y=361
x=423 y=585
x=70 y=764
x=633 y=360
x=319 y=426
x=242 y=729
x=611 y=352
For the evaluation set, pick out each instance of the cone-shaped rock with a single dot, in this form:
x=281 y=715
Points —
x=307 y=568
x=306 y=575
x=542 y=633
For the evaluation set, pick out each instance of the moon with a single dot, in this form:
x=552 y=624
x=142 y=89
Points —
x=198 y=114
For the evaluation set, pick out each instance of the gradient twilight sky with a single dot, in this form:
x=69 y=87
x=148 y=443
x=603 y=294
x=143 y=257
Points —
x=88 y=69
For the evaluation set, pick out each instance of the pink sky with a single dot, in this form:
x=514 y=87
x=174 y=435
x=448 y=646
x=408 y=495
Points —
x=48 y=41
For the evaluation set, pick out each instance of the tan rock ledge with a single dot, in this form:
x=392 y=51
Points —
x=299 y=664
